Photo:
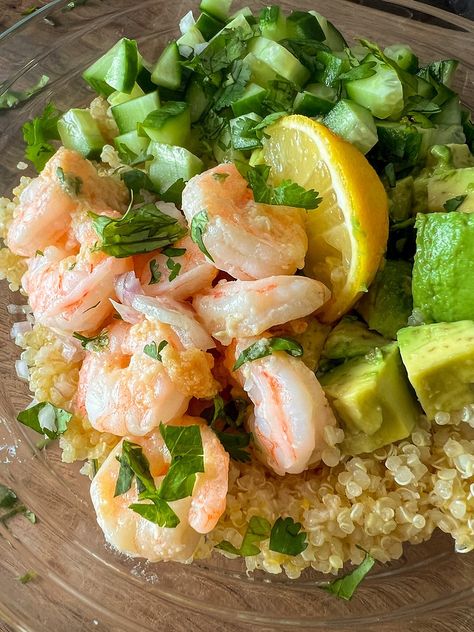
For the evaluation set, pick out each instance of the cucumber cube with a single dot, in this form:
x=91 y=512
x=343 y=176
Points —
x=354 y=123
x=196 y=98
x=127 y=115
x=120 y=97
x=303 y=25
x=170 y=124
x=79 y=131
x=272 y=23
x=279 y=59
x=315 y=100
x=219 y=9
x=251 y=100
x=116 y=70
x=130 y=144
x=381 y=93
x=171 y=164
x=168 y=71
x=208 y=25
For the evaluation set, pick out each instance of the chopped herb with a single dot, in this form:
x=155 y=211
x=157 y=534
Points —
x=454 y=203
x=158 y=511
x=69 y=184
x=234 y=87
x=280 y=96
x=154 y=351
x=226 y=420
x=390 y=174
x=27 y=577
x=360 y=71
x=8 y=498
x=158 y=118
x=220 y=177
x=131 y=158
x=10 y=98
x=258 y=529
x=286 y=537
x=174 y=252
x=30 y=515
x=307 y=51
x=140 y=230
x=155 y=272
x=95 y=343
x=174 y=193
x=221 y=52
x=265 y=347
x=38 y=133
x=174 y=267
x=137 y=180
x=39 y=253
x=236 y=444
x=198 y=228
x=46 y=419
x=345 y=587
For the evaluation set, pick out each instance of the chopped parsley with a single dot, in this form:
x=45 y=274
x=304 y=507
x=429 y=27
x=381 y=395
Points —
x=154 y=351
x=8 y=498
x=345 y=587
x=154 y=272
x=69 y=184
x=258 y=529
x=95 y=343
x=11 y=98
x=226 y=419
x=27 y=577
x=38 y=134
x=46 y=419
x=198 y=228
x=9 y=501
x=454 y=203
x=265 y=347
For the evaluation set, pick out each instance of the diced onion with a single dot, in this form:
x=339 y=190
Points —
x=127 y=286
x=21 y=368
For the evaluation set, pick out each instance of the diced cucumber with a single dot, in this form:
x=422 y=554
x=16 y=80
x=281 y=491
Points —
x=223 y=150
x=450 y=113
x=170 y=164
x=144 y=76
x=354 y=123
x=261 y=73
x=403 y=55
x=238 y=127
x=196 y=98
x=400 y=142
x=334 y=65
x=304 y=25
x=279 y=59
x=128 y=114
x=333 y=37
x=167 y=71
x=170 y=124
x=257 y=157
x=131 y=143
x=120 y=97
x=245 y=11
x=381 y=93
x=219 y=9
x=251 y=100
x=315 y=100
x=239 y=22
x=272 y=23
x=448 y=135
x=208 y=25
x=79 y=131
x=116 y=70
x=188 y=41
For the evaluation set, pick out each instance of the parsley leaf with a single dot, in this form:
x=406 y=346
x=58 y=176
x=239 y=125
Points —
x=155 y=272
x=361 y=71
x=158 y=511
x=280 y=96
x=306 y=51
x=234 y=87
x=140 y=230
x=10 y=98
x=158 y=118
x=37 y=135
x=265 y=347
x=133 y=463
x=454 y=203
x=154 y=351
x=221 y=52
x=95 y=343
x=258 y=529
x=344 y=587
x=8 y=498
x=286 y=537
x=236 y=444
x=187 y=458
x=408 y=81
x=27 y=577
x=226 y=420
x=174 y=267
x=137 y=180
x=198 y=228
x=69 y=184
x=46 y=419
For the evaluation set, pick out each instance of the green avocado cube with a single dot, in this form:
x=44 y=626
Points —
x=439 y=359
x=350 y=338
x=372 y=398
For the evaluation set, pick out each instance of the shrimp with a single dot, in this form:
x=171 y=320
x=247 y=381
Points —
x=290 y=410
x=195 y=273
x=46 y=207
x=71 y=292
x=237 y=309
x=246 y=239
x=132 y=534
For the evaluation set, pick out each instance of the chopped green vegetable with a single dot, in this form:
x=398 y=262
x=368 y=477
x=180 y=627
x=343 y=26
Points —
x=10 y=98
x=226 y=47
x=37 y=135
x=187 y=458
x=154 y=351
x=94 y=343
x=258 y=529
x=137 y=180
x=27 y=577
x=198 y=228
x=69 y=184
x=174 y=267
x=46 y=419
x=8 y=498
x=286 y=537
x=454 y=203
x=155 y=272
x=265 y=347
x=226 y=420
x=30 y=10
x=30 y=515
x=345 y=587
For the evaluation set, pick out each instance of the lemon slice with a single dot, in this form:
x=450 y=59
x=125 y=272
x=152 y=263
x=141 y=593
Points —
x=348 y=232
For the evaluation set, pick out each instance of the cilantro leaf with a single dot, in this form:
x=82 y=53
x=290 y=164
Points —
x=306 y=51
x=286 y=537
x=226 y=419
x=258 y=529
x=158 y=118
x=233 y=88
x=236 y=444
x=137 y=180
x=198 y=228
x=46 y=419
x=154 y=351
x=10 y=98
x=187 y=458
x=361 y=71
x=8 y=498
x=70 y=184
x=155 y=272
x=280 y=96
x=95 y=343
x=454 y=203
x=37 y=135
x=265 y=347
x=221 y=51
x=174 y=193
x=140 y=230
x=158 y=511
x=174 y=267
x=344 y=587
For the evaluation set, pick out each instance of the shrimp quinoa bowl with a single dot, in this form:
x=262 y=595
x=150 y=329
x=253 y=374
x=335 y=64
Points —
x=247 y=271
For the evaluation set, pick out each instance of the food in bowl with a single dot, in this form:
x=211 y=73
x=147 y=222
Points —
x=249 y=312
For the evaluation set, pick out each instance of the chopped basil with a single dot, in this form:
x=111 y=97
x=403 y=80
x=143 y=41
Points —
x=10 y=98
x=198 y=228
x=8 y=498
x=27 y=577
x=344 y=587
x=46 y=419
x=95 y=343
x=155 y=272
x=286 y=537
x=154 y=351
x=140 y=230
x=258 y=529
x=37 y=135
x=454 y=203
x=265 y=347
x=69 y=184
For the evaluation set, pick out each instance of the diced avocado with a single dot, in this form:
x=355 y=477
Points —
x=388 y=304
x=454 y=156
x=79 y=131
x=443 y=272
x=439 y=359
x=312 y=340
x=372 y=397
x=354 y=123
x=171 y=164
x=450 y=184
x=350 y=338
x=400 y=199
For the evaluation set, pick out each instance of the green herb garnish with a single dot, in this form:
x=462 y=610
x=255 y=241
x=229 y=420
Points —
x=95 y=343
x=198 y=228
x=454 y=203
x=155 y=272
x=158 y=118
x=265 y=347
x=10 y=98
x=344 y=587
x=27 y=577
x=226 y=419
x=286 y=537
x=69 y=184
x=46 y=419
x=221 y=52
x=37 y=135
x=8 y=498
x=258 y=529
x=137 y=180
x=154 y=351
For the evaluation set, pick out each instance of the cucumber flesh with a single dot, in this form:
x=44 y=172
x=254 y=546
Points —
x=450 y=114
x=131 y=142
x=279 y=59
x=262 y=73
x=168 y=71
x=354 y=123
x=171 y=124
x=403 y=56
x=116 y=70
x=272 y=23
x=197 y=99
x=120 y=97
x=79 y=131
x=333 y=37
x=304 y=25
x=381 y=93
x=219 y=9
x=171 y=164
x=251 y=100
x=127 y=115
x=334 y=65
x=223 y=150
x=208 y=25
x=188 y=41
x=315 y=100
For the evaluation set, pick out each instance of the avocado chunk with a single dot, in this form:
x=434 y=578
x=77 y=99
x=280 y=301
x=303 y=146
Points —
x=388 y=303
x=454 y=156
x=439 y=359
x=312 y=340
x=432 y=191
x=350 y=338
x=373 y=399
x=400 y=199
x=443 y=272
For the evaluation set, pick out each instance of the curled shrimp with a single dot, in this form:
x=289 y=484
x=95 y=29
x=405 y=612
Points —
x=290 y=410
x=237 y=309
x=132 y=534
x=46 y=207
x=195 y=273
x=246 y=239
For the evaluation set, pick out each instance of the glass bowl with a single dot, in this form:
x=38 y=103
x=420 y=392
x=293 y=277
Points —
x=82 y=584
